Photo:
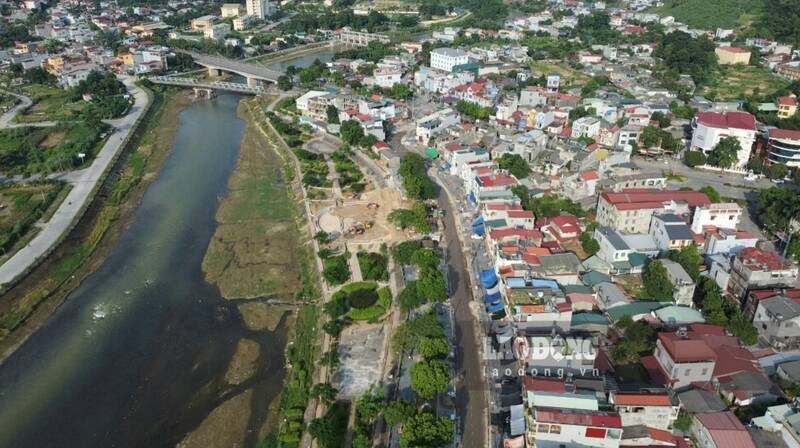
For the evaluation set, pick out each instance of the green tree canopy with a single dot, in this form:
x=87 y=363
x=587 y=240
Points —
x=433 y=348
x=415 y=178
x=514 y=164
x=694 y=158
x=726 y=153
x=427 y=430
x=689 y=259
x=656 y=281
x=398 y=412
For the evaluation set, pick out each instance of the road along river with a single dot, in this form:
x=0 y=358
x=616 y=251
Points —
x=137 y=355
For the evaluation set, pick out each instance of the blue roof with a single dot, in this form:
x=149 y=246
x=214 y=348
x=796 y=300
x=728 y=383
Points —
x=488 y=278
x=492 y=298
x=495 y=307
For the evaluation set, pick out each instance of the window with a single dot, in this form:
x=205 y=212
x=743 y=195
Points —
x=687 y=372
x=704 y=372
x=555 y=429
x=541 y=428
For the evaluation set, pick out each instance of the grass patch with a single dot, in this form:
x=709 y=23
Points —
x=51 y=104
x=350 y=176
x=374 y=266
x=569 y=76
x=735 y=82
x=712 y=14
x=26 y=151
x=21 y=206
x=375 y=312
x=632 y=284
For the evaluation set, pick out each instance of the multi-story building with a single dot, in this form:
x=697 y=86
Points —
x=259 y=9
x=435 y=123
x=777 y=320
x=446 y=59
x=727 y=241
x=754 y=268
x=683 y=360
x=632 y=210
x=242 y=22
x=585 y=127
x=716 y=216
x=217 y=31
x=787 y=106
x=231 y=10
x=783 y=146
x=711 y=127
x=557 y=428
x=654 y=410
x=732 y=55
x=203 y=23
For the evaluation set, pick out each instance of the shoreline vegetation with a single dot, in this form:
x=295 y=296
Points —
x=28 y=305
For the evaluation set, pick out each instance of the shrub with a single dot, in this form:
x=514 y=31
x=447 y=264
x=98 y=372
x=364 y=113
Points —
x=694 y=158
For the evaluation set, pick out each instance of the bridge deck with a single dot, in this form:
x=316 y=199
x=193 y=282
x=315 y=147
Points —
x=238 y=67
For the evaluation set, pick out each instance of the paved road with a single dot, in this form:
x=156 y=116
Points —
x=471 y=405
x=83 y=184
x=7 y=119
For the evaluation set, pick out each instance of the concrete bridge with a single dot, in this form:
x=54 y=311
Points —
x=359 y=39
x=205 y=87
x=252 y=72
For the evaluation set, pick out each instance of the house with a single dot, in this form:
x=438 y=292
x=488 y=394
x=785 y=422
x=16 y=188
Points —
x=683 y=286
x=783 y=146
x=585 y=127
x=787 y=106
x=732 y=55
x=720 y=430
x=446 y=59
x=654 y=410
x=777 y=320
x=434 y=124
x=610 y=295
x=544 y=392
x=719 y=216
x=783 y=420
x=231 y=10
x=684 y=361
x=564 y=228
x=633 y=210
x=675 y=316
x=711 y=127
x=203 y=23
x=753 y=268
x=670 y=232
x=746 y=388
x=727 y=241
x=556 y=428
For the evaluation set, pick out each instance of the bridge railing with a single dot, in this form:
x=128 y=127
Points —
x=191 y=82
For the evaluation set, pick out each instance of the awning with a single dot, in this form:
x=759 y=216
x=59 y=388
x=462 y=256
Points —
x=493 y=290
x=492 y=298
x=495 y=307
x=488 y=278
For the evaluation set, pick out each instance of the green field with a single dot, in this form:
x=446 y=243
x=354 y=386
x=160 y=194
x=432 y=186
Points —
x=712 y=14
x=51 y=104
x=20 y=207
x=735 y=82
x=27 y=151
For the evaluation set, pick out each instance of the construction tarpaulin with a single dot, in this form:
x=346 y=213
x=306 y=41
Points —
x=488 y=278
x=495 y=307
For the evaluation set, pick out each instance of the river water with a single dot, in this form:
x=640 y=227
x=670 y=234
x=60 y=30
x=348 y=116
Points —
x=135 y=356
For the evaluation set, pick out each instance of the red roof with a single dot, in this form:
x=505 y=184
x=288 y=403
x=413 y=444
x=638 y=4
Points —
x=589 y=175
x=570 y=417
x=503 y=207
x=642 y=400
x=733 y=50
x=536 y=384
x=520 y=214
x=661 y=435
x=638 y=199
x=757 y=260
x=686 y=350
x=566 y=223
x=784 y=134
x=726 y=430
x=736 y=120
x=499 y=234
x=787 y=101
x=496 y=180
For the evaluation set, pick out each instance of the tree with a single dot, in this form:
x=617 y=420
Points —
x=742 y=328
x=694 y=158
x=589 y=244
x=514 y=164
x=416 y=182
x=689 y=259
x=409 y=298
x=322 y=237
x=330 y=429
x=777 y=171
x=401 y=92
x=726 y=153
x=284 y=83
x=403 y=253
x=325 y=392
x=398 y=412
x=662 y=120
x=433 y=348
x=333 y=114
x=429 y=378
x=656 y=281
x=427 y=430
x=713 y=195
x=776 y=207
x=351 y=132
x=431 y=285
x=684 y=421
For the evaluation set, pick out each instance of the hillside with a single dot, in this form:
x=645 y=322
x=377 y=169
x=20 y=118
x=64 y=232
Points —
x=712 y=14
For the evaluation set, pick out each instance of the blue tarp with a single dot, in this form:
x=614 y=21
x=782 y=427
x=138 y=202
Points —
x=473 y=200
x=515 y=282
x=491 y=298
x=495 y=308
x=478 y=230
x=520 y=282
x=488 y=278
x=493 y=290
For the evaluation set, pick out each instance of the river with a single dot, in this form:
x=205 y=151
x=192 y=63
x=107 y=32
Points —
x=135 y=356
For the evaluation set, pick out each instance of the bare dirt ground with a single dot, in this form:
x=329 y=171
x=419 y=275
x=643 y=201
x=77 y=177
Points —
x=360 y=359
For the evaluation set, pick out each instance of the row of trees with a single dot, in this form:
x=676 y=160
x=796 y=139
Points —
x=430 y=285
x=416 y=182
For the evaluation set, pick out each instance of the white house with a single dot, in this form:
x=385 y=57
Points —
x=777 y=320
x=585 y=127
x=446 y=59
x=654 y=410
x=711 y=127
x=728 y=241
x=433 y=124
x=720 y=216
x=557 y=428
x=670 y=232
